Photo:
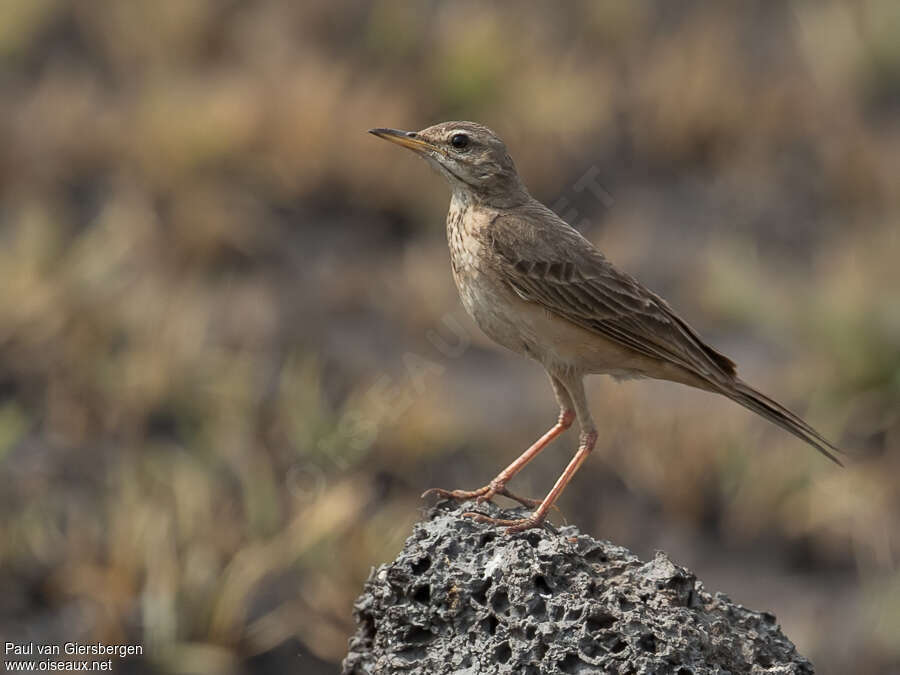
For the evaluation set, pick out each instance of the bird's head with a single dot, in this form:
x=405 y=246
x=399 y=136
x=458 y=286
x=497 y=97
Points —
x=472 y=158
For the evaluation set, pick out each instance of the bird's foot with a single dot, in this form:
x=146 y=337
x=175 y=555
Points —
x=482 y=494
x=512 y=525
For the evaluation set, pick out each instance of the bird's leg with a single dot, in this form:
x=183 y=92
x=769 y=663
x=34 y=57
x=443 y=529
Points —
x=540 y=513
x=586 y=444
x=498 y=485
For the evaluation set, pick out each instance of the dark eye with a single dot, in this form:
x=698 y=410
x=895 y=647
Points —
x=459 y=141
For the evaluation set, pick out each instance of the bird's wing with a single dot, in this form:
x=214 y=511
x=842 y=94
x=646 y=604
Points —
x=547 y=262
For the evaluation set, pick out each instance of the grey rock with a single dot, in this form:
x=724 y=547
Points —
x=464 y=597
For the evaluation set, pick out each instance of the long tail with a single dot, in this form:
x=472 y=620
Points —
x=773 y=411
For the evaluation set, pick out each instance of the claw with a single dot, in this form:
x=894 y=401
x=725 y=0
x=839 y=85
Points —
x=458 y=494
x=481 y=495
x=512 y=525
x=524 y=501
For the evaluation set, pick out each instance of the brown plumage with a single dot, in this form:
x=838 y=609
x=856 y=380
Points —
x=536 y=286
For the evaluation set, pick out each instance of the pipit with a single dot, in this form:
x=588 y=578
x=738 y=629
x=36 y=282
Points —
x=536 y=286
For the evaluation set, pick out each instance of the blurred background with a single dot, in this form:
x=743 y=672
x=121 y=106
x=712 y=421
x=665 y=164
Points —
x=232 y=355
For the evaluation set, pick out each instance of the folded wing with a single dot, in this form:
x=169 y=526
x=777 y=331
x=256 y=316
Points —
x=551 y=264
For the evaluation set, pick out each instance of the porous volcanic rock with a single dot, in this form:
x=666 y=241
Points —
x=464 y=597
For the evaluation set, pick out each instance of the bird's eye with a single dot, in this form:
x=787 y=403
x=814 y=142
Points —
x=459 y=141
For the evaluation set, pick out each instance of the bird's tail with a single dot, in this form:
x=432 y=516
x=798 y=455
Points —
x=773 y=411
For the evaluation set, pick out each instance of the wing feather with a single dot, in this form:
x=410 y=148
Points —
x=547 y=262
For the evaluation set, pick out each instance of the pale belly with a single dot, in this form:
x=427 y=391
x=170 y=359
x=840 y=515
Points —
x=493 y=308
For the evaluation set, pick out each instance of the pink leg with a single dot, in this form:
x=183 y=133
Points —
x=535 y=519
x=573 y=385
x=498 y=485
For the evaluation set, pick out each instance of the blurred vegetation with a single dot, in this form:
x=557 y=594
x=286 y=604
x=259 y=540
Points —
x=221 y=387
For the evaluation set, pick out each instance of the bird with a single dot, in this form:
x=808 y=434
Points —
x=536 y=286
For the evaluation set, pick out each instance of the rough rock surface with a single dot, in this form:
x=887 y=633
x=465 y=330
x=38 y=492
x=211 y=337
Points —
x=464 y=597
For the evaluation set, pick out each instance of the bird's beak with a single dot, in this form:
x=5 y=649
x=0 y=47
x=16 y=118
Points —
x=408 y=139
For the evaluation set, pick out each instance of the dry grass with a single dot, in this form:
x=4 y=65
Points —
x=220 y=392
